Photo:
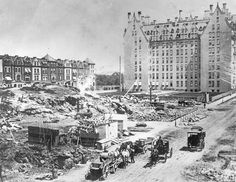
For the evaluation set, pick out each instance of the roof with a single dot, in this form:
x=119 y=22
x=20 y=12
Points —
x=116 y=116
x=199 y=128
x=48 y=57
x=105 y=140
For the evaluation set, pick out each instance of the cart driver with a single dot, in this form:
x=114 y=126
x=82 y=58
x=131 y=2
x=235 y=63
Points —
x=159 y=143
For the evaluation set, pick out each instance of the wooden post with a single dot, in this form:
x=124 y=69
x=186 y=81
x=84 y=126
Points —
x=120 y=74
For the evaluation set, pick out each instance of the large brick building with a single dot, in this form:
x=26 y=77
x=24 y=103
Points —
x=17 y=71
x=190 y=53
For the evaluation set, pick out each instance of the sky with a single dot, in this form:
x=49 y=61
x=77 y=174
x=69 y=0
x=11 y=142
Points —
x=79 y=29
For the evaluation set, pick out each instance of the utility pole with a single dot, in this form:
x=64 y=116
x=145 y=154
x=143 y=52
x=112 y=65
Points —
x=120 y=74
x=150 y=92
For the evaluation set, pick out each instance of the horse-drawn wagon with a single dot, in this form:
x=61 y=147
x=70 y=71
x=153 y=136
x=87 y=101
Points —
x=101 y=168
x=196 y=138
x=159 y=152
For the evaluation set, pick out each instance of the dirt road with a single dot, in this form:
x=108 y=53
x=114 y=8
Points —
x=171 y=171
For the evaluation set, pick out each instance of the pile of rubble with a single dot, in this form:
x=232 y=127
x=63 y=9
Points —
x=6 y=126
x=206 y=172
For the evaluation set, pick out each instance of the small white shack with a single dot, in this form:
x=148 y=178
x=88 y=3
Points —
x=120 y=118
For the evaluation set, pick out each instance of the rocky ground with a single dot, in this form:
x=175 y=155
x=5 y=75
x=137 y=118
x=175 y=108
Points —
x=56 y=106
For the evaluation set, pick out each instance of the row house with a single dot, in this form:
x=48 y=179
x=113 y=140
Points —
x=18 y=71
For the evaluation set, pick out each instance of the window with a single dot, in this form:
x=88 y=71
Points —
x=177 y=75
x=171 y=75
x=163 y=68
x=218 y=83
x=18 y=77
x=163 y=75
x=177 y=68
x=177 y=52
x=217 y=19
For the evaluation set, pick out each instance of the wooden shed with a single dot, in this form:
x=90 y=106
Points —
x=41 y=135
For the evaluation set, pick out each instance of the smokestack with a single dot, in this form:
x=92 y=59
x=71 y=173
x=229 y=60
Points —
x=129 y=14
x=211 y=8
x=139 y=15
x=224 y=5
x=180 y=12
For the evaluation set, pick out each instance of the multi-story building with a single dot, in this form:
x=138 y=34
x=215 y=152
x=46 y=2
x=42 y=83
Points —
x=36 y=69
x=16 y=71
x=188 y=53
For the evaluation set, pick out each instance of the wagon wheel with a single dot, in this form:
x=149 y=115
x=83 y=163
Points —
x=87 y=176
x=104 y=173
x=171 y=152
x=165 y=157
x=112 y=169
x=203 y=145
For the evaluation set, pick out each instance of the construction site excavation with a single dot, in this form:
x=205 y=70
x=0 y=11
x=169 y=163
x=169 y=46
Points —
x=117 y=91
x=58 y=133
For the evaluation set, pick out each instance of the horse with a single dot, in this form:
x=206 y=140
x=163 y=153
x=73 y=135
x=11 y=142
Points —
x=154 y=156
x=125 y=154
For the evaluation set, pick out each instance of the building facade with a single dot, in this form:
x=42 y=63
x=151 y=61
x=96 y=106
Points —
x=18 y=71
x=181 y=54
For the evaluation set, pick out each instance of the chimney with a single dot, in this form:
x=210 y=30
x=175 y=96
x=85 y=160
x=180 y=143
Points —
x=147 y=19
x=206 y=14
x=176 y=19
x=195 y=17
x=186 y=18
x=129 y=14
x=139 y=15
x=154 y=21
x=211 y=8
x=142 y=19
x=224 y=6
x=180 y=12
x=168 y=20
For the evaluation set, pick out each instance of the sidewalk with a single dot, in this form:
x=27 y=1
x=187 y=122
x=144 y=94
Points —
x=220 y=101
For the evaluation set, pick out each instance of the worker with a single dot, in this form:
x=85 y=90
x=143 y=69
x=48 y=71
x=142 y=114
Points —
x=132 y=155
x=159 y=143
